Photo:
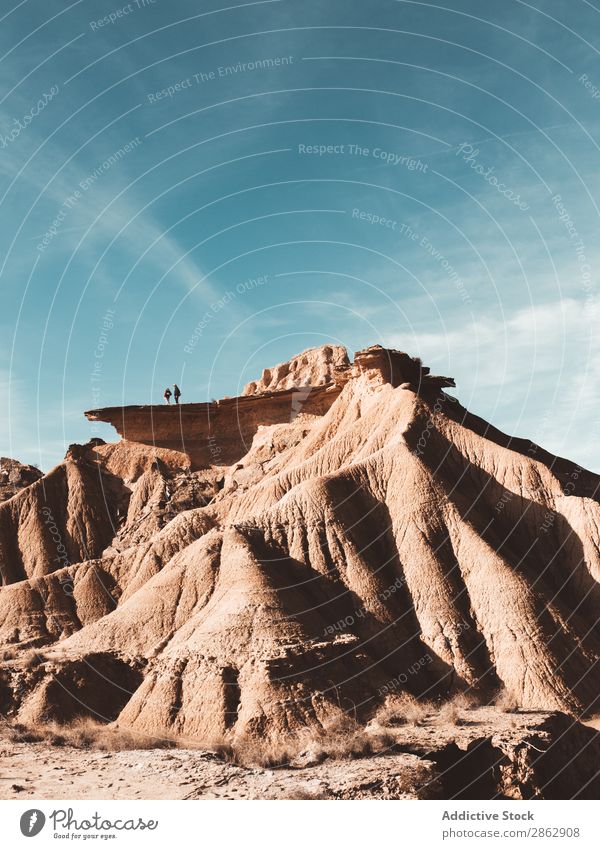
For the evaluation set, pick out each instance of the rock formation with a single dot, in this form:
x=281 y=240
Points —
x=314 y=367
x=362 y=538
x=220 y=433
x=217 y=433
x=15 y=476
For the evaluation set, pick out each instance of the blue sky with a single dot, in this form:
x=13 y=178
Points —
x=190 y=192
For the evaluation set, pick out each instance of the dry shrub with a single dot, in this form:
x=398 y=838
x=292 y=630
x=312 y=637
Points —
x=450 y=713
x=344 y=738
x=403 y=710
x=84 y=733
x=223 y=750
x=32 y=658
x=8 y=654
x=19 y=733
x=505 y=702
x=250 y=751
x=339 y=739
x=466 y=701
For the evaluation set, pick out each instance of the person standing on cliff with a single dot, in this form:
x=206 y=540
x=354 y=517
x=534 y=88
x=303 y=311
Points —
x=176 y=393
x=167 y=395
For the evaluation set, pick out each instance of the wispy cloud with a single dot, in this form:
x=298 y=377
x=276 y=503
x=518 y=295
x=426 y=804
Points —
x=535 y=371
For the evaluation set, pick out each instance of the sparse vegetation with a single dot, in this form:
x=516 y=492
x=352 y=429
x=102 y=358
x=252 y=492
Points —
x=345 y=738
x=451 y=712
x=339 y=739
x=403 y=710
x=248 y=751
x=506 y=702
x=84 y=733
x=8 y=654
x=32 y=658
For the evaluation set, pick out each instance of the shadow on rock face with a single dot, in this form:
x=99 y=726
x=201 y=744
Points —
x=97 y=686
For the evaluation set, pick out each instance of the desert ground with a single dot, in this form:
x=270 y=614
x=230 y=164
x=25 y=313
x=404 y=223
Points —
x=414 y=753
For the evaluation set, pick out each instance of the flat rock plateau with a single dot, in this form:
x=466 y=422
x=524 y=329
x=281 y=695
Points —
x=340 y=584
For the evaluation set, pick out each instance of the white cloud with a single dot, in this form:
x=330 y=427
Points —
x=535 y=372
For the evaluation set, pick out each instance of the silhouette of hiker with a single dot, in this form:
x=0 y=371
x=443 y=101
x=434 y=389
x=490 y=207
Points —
x=176 y=393
x=168 y=395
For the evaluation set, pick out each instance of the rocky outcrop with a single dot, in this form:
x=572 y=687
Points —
x=313 y=367
x=485 y=753
x=378 y=539
x=386 y=366
x=220 y=433
x=15 y=476
x=217 y=433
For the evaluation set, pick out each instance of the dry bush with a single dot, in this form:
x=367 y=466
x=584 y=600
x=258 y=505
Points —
x=450 y=712
x=249 y=751
x=339 y=739
x=84 y=733
x=466 y=701
x=403 y=710
x=8 y=654
x=32 y=658
x=19 y=733
x=344 y=738
x=223 y=750
x=505 y=702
